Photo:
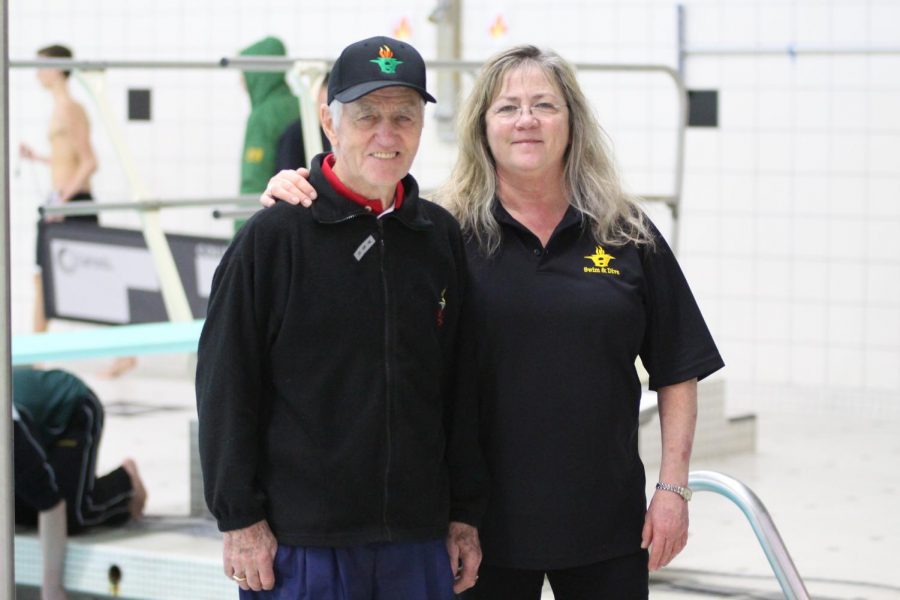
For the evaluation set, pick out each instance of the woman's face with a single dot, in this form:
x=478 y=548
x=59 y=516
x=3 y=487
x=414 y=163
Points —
x=528 y=124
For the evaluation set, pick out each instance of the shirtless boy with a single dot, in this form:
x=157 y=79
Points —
x=71 y=161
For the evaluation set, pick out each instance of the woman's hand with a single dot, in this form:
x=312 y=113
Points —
x=665 y=530
x=289 y=186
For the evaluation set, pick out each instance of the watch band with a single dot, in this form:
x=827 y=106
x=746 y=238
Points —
x=684 y=492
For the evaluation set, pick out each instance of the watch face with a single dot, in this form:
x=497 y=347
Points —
x=688 y=493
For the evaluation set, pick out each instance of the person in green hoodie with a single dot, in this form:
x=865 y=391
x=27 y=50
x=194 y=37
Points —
x=274 y=108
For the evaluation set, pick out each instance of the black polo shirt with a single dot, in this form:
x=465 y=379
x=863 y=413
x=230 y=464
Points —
x=557 y=332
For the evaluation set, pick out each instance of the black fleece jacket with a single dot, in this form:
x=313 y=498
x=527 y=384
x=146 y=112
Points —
x=325 y=375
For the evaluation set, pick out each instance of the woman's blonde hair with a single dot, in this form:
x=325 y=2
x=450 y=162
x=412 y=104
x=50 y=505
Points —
x=591 y=181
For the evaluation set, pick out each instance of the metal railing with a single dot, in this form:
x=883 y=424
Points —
x=71 y=209
x=7 y=507
x=763 y=526
x=281 y=63
x=790 y=50
x=173 y=293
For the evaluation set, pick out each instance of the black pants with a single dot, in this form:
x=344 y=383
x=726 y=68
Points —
x=622 y=578
x=40 y=258
x=90 y=500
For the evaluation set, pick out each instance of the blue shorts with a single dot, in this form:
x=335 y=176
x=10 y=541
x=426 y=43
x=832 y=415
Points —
x=384 y=571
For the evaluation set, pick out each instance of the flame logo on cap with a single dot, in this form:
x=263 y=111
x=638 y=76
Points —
x=386 y=61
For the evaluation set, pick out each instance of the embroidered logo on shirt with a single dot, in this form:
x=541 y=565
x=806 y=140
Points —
x=442 y=304
x=601 y=262
x=254 y=154
x=387 y=63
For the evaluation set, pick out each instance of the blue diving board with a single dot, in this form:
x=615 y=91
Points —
x=118 y=340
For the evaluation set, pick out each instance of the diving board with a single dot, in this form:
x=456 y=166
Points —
x=122 y=340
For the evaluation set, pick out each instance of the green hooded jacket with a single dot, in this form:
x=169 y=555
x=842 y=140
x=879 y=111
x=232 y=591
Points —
x=272 y=109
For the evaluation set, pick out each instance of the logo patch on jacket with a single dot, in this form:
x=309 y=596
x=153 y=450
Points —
x=601 y=262
x=364 y=247
x=254 y=154
x=442 y=305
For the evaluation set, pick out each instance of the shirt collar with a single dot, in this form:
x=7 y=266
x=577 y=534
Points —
x=333 y=207
x=372 y=204
x=572 y=217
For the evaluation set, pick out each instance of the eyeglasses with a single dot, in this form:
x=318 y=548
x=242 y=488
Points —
x=511 y=112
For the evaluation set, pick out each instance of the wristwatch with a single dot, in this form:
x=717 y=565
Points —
x=684 y=492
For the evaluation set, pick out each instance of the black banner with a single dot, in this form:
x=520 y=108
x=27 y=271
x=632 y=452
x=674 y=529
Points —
x=106 y=275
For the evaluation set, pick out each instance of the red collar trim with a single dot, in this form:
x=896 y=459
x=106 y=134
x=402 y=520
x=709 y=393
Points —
x=373 y=204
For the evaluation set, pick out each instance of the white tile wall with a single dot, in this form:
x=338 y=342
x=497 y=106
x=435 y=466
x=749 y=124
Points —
x=817 y=135
x=880 y=369
x=845 y=367
x=809 y=282
x=791 y=206
x=773 y=362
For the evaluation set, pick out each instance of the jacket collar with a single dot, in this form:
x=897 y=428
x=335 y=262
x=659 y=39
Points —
x=331 y=207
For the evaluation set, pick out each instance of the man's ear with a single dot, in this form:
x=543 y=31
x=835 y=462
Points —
x=328 y=125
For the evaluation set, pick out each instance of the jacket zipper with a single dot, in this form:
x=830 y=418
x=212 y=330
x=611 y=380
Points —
x=387 y=376
x=345 y=218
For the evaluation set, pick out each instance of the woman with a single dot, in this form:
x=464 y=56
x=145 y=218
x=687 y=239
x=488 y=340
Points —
x=570 y=283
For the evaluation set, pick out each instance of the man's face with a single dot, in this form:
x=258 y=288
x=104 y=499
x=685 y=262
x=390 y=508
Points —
x=376 y=139
x=49 y=77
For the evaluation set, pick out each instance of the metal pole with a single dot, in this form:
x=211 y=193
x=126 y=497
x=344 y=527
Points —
x=681 y=39
x=173 y=294
x=92 y=208
x=7 y=476
x=305 y=78
x=763 y=526
x=446 y=17
x=102 y=65
x=276 y=63
x=250 y=63
x=791 y=50
x=280 y=63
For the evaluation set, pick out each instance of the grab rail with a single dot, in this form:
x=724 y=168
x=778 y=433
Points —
x=284 y=63
x=788 y=577
x=92 y=208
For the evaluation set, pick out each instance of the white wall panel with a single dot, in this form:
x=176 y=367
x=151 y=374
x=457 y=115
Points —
x=791 y=206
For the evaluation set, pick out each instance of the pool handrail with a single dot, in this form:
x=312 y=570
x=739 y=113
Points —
x=763 y=526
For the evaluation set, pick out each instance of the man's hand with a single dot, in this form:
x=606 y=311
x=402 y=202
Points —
x=248 y=554
x=665 y=528
x=465 y=555
x=289 y=186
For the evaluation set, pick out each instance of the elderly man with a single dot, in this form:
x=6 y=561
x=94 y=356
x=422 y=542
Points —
x=331 y=431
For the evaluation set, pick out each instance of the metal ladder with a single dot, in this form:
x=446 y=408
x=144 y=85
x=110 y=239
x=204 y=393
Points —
x=763 y=526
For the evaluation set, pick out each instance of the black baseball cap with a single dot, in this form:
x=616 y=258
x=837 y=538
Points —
x=375 y=63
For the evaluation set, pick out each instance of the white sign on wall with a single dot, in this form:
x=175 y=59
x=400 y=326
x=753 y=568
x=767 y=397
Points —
x=107 y=275
x=91 y=282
